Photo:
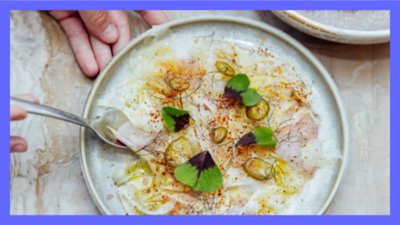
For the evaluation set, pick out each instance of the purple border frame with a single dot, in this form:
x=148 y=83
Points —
x=6 y=6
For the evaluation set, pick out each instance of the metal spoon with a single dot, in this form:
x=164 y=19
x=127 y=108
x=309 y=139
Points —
x=113 y=118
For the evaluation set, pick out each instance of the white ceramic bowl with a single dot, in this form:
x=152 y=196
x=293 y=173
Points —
x=100 y=161
x=350 y=27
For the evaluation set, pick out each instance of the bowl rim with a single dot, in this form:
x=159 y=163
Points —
x=332 y=33
x=202 y=19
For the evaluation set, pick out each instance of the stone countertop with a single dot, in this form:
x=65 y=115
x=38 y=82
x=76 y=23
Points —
x=48 y=179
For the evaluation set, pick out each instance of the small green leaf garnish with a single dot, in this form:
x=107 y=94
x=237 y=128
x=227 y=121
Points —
x=236 y=85
x=239 y=83
x=250 y=97
x=238 y=88
x=186 y=174
x=175 y=119
x=200 y=173
x=262 y=136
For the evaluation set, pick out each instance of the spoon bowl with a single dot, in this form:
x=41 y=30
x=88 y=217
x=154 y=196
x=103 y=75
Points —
x=101 y=126
x=110 y=121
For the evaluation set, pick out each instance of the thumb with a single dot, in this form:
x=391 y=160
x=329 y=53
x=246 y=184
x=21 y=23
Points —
x=99 y=24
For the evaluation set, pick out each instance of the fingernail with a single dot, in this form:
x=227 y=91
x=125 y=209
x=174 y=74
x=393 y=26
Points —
x=19 y=148
x=110 y=32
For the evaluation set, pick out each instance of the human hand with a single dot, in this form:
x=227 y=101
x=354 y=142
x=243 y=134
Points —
x=18 y=144
x=95 y=36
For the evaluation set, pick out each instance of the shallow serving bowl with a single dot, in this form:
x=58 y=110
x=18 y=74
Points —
x=344 y=26
x=100 y=161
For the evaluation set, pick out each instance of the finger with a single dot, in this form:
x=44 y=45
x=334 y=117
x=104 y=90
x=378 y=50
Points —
x=100 y=25
x=102 y=52
x=153 y=17
x=79 y=39
x=18 y=144
x=17 y=113
x=62 y=14
x=28 y=97
x=120 y=19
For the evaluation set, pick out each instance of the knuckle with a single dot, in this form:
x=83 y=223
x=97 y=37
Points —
x=99 y=18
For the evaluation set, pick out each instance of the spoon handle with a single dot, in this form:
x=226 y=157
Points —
x=44 y=110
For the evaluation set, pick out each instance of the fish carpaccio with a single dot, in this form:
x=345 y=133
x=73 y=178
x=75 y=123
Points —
x=148 y=185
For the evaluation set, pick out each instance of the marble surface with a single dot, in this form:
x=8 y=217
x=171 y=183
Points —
x=48 y=180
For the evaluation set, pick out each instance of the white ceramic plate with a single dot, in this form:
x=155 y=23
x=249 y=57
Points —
x=344 y=26
x=100 y=161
